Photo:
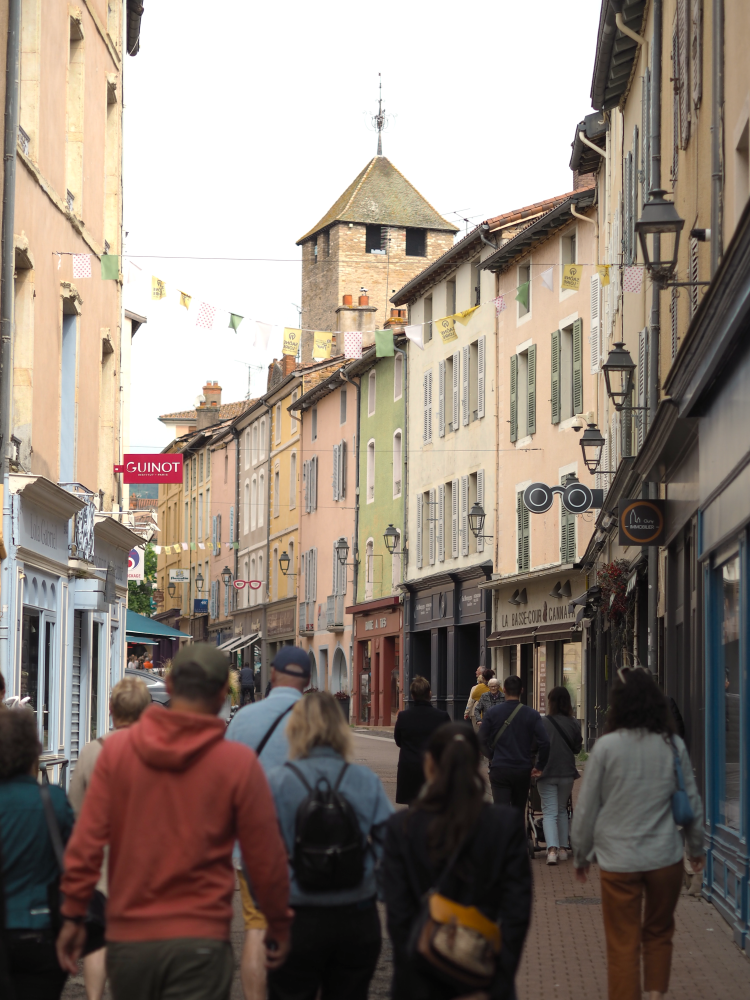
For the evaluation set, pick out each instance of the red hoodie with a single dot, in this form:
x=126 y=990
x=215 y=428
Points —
x=170 y=796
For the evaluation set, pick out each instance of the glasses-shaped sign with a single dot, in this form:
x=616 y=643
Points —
x=240 y=584
x=577 y=498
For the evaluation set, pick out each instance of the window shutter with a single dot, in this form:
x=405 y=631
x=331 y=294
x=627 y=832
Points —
x=306 y=487
x=531 y=423
x=454 y=519
x=567 y=535
x=642 y=384
x=212 y=607
x=465 y=387
x=514 y=397
x=480 y=501
x=626 y=429
x=634 y=178
x=555 y=369
x=335 y=569
x=441 y=399
x=464 y=515
x=683 y=81
x=342 y=470
x=226 y=601
x=432 y=519
x=441 y=523
x=456 y=382
x=231 y=525
x=646 y=137
x=525 y=526
x=595 y=334
x=213 y=534
x=627 y=192
x=693 y=276
x=420 y=503
x=314 y=555
x=335 y=472
x=696 y=51
x=675 y=102
x=481 y=349
x=314 y=490
x=306 y=559
x=217 y=547
x=578 y=366
x=429 y=407
x=519 y=529
x=425 y=432
x=613 y=449
x=673 y=318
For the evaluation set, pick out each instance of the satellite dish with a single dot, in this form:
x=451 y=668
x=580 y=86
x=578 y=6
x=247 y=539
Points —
x=199 y=400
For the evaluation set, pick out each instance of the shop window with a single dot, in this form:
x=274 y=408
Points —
x=728 y=681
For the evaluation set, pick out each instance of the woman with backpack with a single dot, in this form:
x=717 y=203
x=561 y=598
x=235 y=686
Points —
x=638 y=810
x=556 y=783
x=332 y=815
x=457 y=882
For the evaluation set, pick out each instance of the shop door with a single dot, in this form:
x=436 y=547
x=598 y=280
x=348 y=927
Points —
x=526 y=673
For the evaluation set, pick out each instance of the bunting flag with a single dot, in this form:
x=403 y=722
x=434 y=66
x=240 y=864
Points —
x=206 y=316
x=446 y=327
x=110 y=267
x=157 y=549
x=499 y=304
x=234 y=321
x=201 y=545
x=262 y=333
x=353 y=344
x=603 y=271
x=158 y=288
x=571 y=277
x=192 y=546
x=522 y=294
x=632 y=278
x=81 y=265
x=465 y=316
x=59 y=261
x=184 y=546
x=322 y=342
x=384 y=344
x=416 y=335
x=546 y=277
x=291 y=341
x=185 y=300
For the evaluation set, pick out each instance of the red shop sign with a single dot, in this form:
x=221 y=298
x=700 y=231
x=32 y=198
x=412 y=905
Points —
x=151 y=469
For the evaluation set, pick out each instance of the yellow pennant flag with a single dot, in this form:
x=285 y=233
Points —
x=465 y=316
x=321 y=345
x=158 y=288
x=291 y=341
x=571 y=276
x=603 y=271
x=185 y=299
x=446 y=327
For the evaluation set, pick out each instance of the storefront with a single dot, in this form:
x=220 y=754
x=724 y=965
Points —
x=280 y=631
x=377 y=685
x=251 y=621
x=447 y=620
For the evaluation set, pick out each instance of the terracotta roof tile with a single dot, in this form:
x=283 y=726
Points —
x=227 y=411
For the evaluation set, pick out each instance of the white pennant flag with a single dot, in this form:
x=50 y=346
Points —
x=263 y=332
x=547 y=278
x=416 y=335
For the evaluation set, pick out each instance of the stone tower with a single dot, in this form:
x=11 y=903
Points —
x=378 y=235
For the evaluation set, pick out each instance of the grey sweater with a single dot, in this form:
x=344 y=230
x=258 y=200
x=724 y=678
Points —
x=562 y=762
x=623 y=818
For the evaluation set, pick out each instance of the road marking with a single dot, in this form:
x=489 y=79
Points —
x=380 y=739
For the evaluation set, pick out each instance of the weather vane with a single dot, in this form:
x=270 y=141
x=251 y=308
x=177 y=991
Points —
x=380 y=120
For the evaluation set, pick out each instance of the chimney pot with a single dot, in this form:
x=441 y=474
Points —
x=347 y=300
x=364 y=300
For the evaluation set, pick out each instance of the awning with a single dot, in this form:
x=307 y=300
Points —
x=142 y=640
x=238 y=642
x=511 y=637
x=139 y=628
x=555 y=632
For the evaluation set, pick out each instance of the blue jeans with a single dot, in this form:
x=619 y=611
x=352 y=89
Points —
x=554 y=793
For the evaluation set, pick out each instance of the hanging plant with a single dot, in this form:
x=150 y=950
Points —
x=613 y=579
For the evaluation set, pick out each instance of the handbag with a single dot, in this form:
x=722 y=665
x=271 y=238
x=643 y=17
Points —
x=682 y=811
x=567 y=742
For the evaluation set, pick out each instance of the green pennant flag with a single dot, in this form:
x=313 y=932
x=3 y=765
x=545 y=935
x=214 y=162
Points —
x=192 y=546
x=110 y=267
x=522 y=294
x=384 y=344
x=234 y=321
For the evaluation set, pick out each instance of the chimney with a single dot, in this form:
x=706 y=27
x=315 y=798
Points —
x=208 y=412
x=288 y=364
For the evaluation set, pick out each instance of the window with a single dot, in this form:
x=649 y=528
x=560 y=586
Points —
x=186 y=468
x=396 y=565
x=293 y=481
x=523 y=393
x=567 y=529
x=339 y=470
x=193 y=472
x=186 y=533
x=248 y=506
x=261 y=499
x=568 y=248
x=255 y=443
x=397 y=464
x=200 y=468
x=251 y=595
x=452 y=389
x=253 y=504
x=275 y=575
x=276 y=485
x=369 y=568
x=398 y=376
x=68 y=406
x=75 y=110
x=450 y=296
x=427 y=394
x=315 y=250
x=673 y=319
x=342 y=406
x=416 y=243
x=522 y=534
x=291 y=581
x=371 y=393
x=260 y=577
x=208 y=463
x=293 y=414
x=249 y=454
x=374 y=239
x=310 y=484
x=200 y=516
x=262 y=439
x=476 y=284
x=208 y=510
x=370 y=471
x=524 y=300
x=278 y=423
x=566 y=365
x=314 y=423
x=428 y=318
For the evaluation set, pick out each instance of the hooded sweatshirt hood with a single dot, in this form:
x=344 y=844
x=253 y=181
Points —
x=173 y=741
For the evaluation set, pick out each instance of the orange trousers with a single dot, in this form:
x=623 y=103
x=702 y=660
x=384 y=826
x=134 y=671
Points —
x=629 y=928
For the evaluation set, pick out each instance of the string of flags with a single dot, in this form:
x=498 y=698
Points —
x=193 y=547
x=632 y=282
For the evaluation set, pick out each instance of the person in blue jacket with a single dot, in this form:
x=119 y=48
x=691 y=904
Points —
x=29 y=871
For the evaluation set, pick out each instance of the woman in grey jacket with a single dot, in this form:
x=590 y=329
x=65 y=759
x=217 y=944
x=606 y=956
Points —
x=556 y=782
x=624 y=821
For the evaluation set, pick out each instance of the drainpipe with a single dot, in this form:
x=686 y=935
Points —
x=619 y=21
x=236 y=436
x=405 y=454
x=592 y=145
x=717 y=121
x=357 y=386
x=268 y=508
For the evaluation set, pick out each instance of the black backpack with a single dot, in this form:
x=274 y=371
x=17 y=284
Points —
x=329 y=850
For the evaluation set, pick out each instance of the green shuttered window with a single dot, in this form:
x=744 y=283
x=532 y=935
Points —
x=555 y=368
x=578 y=366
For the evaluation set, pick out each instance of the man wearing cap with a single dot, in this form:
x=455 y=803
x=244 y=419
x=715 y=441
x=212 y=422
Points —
x=171 y=796
x=262 y=727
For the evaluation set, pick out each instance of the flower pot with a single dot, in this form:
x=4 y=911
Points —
x=344 y=704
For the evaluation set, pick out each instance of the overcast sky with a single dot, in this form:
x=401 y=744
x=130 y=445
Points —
x=245 y=122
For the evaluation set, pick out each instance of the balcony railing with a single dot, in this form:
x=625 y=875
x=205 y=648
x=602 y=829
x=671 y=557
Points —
x=302 y=619
x=335 y=612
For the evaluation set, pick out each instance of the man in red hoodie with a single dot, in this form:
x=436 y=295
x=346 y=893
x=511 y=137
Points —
x=170 y=796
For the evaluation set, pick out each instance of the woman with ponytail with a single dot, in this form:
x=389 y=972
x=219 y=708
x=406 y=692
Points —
x=457 y=881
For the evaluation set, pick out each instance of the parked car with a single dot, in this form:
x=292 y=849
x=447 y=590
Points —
x=156 y=686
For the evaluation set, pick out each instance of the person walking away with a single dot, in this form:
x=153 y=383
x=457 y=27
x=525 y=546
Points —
x=481 y=687
x=35 y=823
x=624 y=818
x=464 y=851
x=414 y=726
x=556 y=782
x=336 y=929
x=247 y=685
x=129 y=699
x=494 y=696
x=262 y=727
x=509 y=736
x=169 y=908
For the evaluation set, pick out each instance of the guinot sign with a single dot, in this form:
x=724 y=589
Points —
x=151 y=469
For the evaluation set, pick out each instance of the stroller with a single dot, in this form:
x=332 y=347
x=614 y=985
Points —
x=534 y=826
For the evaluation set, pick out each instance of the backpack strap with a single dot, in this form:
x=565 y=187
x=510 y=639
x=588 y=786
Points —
x=557 y=726
x=341 y=775
x=299 y=774
x=272 y=729
x=52 y=825
x=507 y=722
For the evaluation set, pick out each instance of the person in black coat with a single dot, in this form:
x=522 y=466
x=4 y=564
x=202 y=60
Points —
x=451 y=822
x=414 y=726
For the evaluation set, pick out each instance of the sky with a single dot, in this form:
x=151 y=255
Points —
x=242 y=127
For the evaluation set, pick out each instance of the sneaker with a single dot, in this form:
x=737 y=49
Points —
x=562 y=854
x=552 y=856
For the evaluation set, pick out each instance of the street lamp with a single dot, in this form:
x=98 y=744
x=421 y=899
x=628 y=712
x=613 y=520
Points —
x=592 y=444
x=226 y=576
x=620 y=365
x=341 y=549
x=171 y=589
x=391 y=537
x=199 y=582
x=476 y=520
x=660 y=221
x=284 y=562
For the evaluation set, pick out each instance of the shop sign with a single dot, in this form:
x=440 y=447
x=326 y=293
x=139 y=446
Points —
x=375 y=623
x=537 y=611
x=641 y=522
x=200 y=606
x=109 y=559
x=151 y=468
x=43 y=533
x=280 y=622
x=179 y=576
x=136 y=560
x=576 y=496
x=423 y=609
x=471 y=602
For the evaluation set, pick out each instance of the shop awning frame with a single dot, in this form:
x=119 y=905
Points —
x=238 y=642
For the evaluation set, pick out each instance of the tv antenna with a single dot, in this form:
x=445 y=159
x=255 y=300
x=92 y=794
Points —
x=250 y=370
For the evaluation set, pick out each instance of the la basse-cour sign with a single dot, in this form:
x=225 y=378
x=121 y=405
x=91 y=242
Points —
x=150 y=469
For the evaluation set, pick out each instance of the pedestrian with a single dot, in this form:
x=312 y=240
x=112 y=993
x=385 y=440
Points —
x=510 y=735
x=556 y=782
x=35 y=823
x=481 y=687
x=170 y=795
x=469 y=859
x=2 y=691
x=247 y=685
x=129 y=699
x=336 y=934
x=624 y=818
x=413 y=728
x=494 y=696
x=262 y=727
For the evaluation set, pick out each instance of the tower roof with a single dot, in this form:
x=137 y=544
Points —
x=381 y=194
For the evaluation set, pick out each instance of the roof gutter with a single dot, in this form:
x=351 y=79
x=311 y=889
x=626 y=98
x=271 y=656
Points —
x=592 y=145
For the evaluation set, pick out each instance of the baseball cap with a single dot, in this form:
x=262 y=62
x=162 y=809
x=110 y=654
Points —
x=292 y=660
x=212 y=662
